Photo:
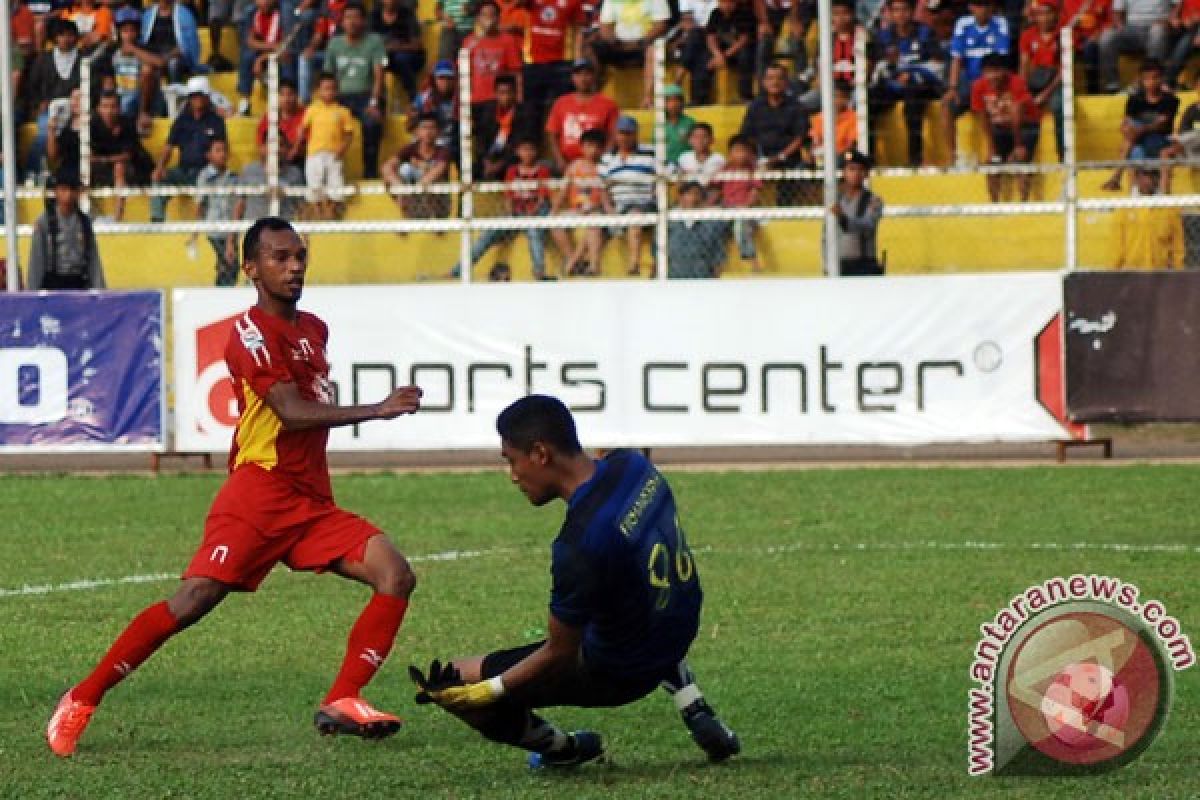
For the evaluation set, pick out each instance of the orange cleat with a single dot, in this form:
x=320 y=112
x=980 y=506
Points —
x=353 y=716
x=68 y=723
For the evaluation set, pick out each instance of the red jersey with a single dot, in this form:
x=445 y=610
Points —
x=490 y=56
x=550 y=20
x=1001 y=105
x=528 y=202
x=843 y=57
x=264 y=350
x=1189 y=12
x=290 y=128
x=266 y=26
x=571 y=116
x=1040 y=48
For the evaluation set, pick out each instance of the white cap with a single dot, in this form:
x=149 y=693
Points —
x=197 y=84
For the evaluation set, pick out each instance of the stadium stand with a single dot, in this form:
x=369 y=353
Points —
x=915 y=244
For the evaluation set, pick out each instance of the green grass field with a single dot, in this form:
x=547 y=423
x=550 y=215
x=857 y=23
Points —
x=840 y=619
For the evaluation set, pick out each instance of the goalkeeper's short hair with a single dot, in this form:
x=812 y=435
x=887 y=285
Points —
x=539 y=418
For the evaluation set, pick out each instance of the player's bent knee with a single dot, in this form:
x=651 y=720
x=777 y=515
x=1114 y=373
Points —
x=195 y=598
x=396 y=577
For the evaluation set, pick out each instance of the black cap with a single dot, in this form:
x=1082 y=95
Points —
x=854 y=157
x=66 y=177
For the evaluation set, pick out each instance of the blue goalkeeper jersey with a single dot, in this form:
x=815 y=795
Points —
x=623 y=572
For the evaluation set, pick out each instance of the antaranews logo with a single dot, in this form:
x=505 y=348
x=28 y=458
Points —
x=1074 y=676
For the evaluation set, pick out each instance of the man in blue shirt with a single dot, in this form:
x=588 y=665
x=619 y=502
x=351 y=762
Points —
x=909 y=71
x=977 y=35
x=196 y=127
x=624 y=604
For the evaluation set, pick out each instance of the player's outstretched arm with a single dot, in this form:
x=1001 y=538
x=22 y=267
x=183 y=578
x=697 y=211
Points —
x=298 y=413
x=559 y=652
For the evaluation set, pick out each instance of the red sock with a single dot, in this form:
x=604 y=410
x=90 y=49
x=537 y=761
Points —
x=137 y=642
x=370 y=642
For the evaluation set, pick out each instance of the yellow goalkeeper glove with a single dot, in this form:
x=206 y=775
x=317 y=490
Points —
x=473 y=695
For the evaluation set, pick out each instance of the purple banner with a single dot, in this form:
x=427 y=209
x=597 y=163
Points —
x=81 y=371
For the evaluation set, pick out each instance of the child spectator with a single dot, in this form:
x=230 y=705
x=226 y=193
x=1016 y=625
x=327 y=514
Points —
x=729 y=43
x=845 y=123
x=401 y=32
x=740 y=189
x=191 y=134
x=909 y=71
x=976 y=36
x=219 y=208
x=1041 y=65
x=1009 y=119
x=583 y=193
x=133 y=69
x=525 y=202
x=677 y=124
x=628 y=30
x=695 y=248
x=1148 y=238
x=628 y=172
x=422 y=162
x=492 y=53
x=328 y=129
x=578 y=112
x=1140 y=26
x=439 y=97
x=700 y=164
x=1149 y=119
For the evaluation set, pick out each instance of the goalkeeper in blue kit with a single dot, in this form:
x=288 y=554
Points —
x=624 y=605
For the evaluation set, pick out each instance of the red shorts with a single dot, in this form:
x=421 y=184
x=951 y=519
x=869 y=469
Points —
x=258 y=520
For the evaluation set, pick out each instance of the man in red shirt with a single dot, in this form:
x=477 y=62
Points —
x=277 y=504
x=548 y=71
x=574 y=114
x=1010 y=121
x=1041 y=64
x=492 y=53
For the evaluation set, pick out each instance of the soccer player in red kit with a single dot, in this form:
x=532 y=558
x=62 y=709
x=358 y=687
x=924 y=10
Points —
x=277 y=504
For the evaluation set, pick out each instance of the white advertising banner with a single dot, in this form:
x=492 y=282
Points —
x=898 y=360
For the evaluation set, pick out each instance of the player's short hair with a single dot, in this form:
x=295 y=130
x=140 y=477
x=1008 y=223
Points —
x=539 y=418
x=253 y=237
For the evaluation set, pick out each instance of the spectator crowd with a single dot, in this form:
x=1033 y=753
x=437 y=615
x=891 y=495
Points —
x=541 y=124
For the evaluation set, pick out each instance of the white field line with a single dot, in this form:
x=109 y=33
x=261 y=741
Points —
x=795 y=547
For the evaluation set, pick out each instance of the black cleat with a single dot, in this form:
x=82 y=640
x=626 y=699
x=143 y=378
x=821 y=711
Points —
x=585 y=746
x=711 y=734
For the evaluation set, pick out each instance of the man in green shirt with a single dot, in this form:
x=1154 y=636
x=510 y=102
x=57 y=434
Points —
x=678 y=125
x=356 y=58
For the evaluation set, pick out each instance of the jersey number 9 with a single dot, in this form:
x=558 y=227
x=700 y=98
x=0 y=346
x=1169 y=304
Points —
x=669 y=551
